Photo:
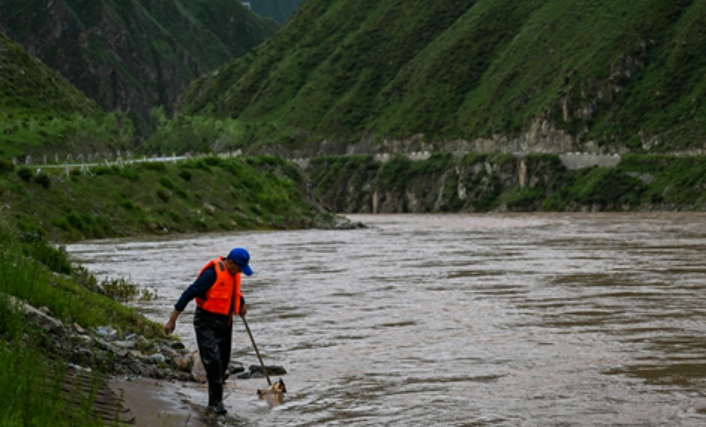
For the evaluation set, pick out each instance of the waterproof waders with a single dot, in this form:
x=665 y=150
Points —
x=213 y=335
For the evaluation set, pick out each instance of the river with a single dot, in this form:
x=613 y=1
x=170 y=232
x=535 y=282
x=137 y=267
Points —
x=457 y=320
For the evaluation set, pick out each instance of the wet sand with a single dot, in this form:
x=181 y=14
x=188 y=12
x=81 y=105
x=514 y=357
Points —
x=171 y=404
x=158 y=403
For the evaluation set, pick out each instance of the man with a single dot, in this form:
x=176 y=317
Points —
x=218 y=298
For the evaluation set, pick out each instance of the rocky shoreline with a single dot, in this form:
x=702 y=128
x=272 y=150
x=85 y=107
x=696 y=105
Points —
x=127 y=356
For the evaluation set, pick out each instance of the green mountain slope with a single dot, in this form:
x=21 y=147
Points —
x=598 y=75
x=42 y=113
x=133 y=55
x=278 y=10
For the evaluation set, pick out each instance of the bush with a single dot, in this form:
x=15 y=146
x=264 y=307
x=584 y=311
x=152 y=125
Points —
x=43 y=180
x=48 y=255
x=166 y=183
x=212 y=161
x=6 y=167
x=185 y=175
x=25 y=174
x=131 y=174
x=163 y=195
x=154 y=166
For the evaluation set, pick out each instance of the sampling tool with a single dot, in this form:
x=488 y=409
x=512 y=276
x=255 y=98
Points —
x=276 y=387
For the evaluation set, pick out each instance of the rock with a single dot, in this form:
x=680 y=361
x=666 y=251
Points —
x=45 y=311
x=183 y=363
x=178 y=346
x=182 y=376
x=78 y=329
x=210 y=209
x=245 y=375
x=82 y=356
x=168 y=352
x=198 y=372
x=234 y=368
x=271 y=369
x=40 y=318
x=135 y=368
x=156 y=358
x=107 y=332
x=124 y=344
x=111 y=348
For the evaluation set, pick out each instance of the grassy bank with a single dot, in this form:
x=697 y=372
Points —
x=199 y=195
x=481 y=182
x=33 y=368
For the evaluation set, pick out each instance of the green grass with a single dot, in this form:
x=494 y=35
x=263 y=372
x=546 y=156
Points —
x=629 y=73
x=207 y=194
x=31 y=381
x=42 y=114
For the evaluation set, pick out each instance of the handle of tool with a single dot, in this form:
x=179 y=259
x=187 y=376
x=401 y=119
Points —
x=264 y=370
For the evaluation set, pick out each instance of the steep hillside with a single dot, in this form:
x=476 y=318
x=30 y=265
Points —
x=42 y=113
x=278 y=10
x=483 y=75
x=133 y=55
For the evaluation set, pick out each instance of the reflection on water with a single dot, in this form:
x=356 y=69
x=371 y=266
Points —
x=462 y=320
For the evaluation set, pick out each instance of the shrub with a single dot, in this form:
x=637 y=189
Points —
x=212 y=161
x=75 y=221
x=163 y=195
x=6 y=166
x=43 y=180
x=154 y=166
x=185 y=175
x=25 y=174
x=166 y=183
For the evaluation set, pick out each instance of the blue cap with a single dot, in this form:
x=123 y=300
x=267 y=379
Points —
x=241 y=258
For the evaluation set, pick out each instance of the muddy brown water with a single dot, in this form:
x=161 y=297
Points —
x=457 y=320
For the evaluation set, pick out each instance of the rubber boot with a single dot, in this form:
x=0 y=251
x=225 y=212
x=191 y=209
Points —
x=215 y=394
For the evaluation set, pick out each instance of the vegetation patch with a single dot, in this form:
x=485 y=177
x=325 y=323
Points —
x=204 y=194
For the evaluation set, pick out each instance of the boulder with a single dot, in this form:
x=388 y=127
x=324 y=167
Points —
x=38 y=317
x=271 y=369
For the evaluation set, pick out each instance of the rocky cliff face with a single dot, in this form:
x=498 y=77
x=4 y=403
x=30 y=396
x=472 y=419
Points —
x=133 y=55
x=502 y=182
x=443 y=183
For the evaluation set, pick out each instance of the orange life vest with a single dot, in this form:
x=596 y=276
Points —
x=224 y=292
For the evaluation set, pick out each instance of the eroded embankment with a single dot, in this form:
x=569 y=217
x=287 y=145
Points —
x=503 y=182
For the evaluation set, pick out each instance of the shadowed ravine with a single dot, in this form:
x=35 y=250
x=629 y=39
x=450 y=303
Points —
x=502 y=320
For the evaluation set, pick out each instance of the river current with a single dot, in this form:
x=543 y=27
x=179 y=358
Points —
x=456 y=320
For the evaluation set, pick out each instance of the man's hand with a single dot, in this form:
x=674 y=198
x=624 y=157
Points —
x=171 y=323
x=169 y=327
x=243 y=310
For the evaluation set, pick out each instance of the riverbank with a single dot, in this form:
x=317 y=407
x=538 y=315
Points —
x=74 y=350
x=198 y=195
